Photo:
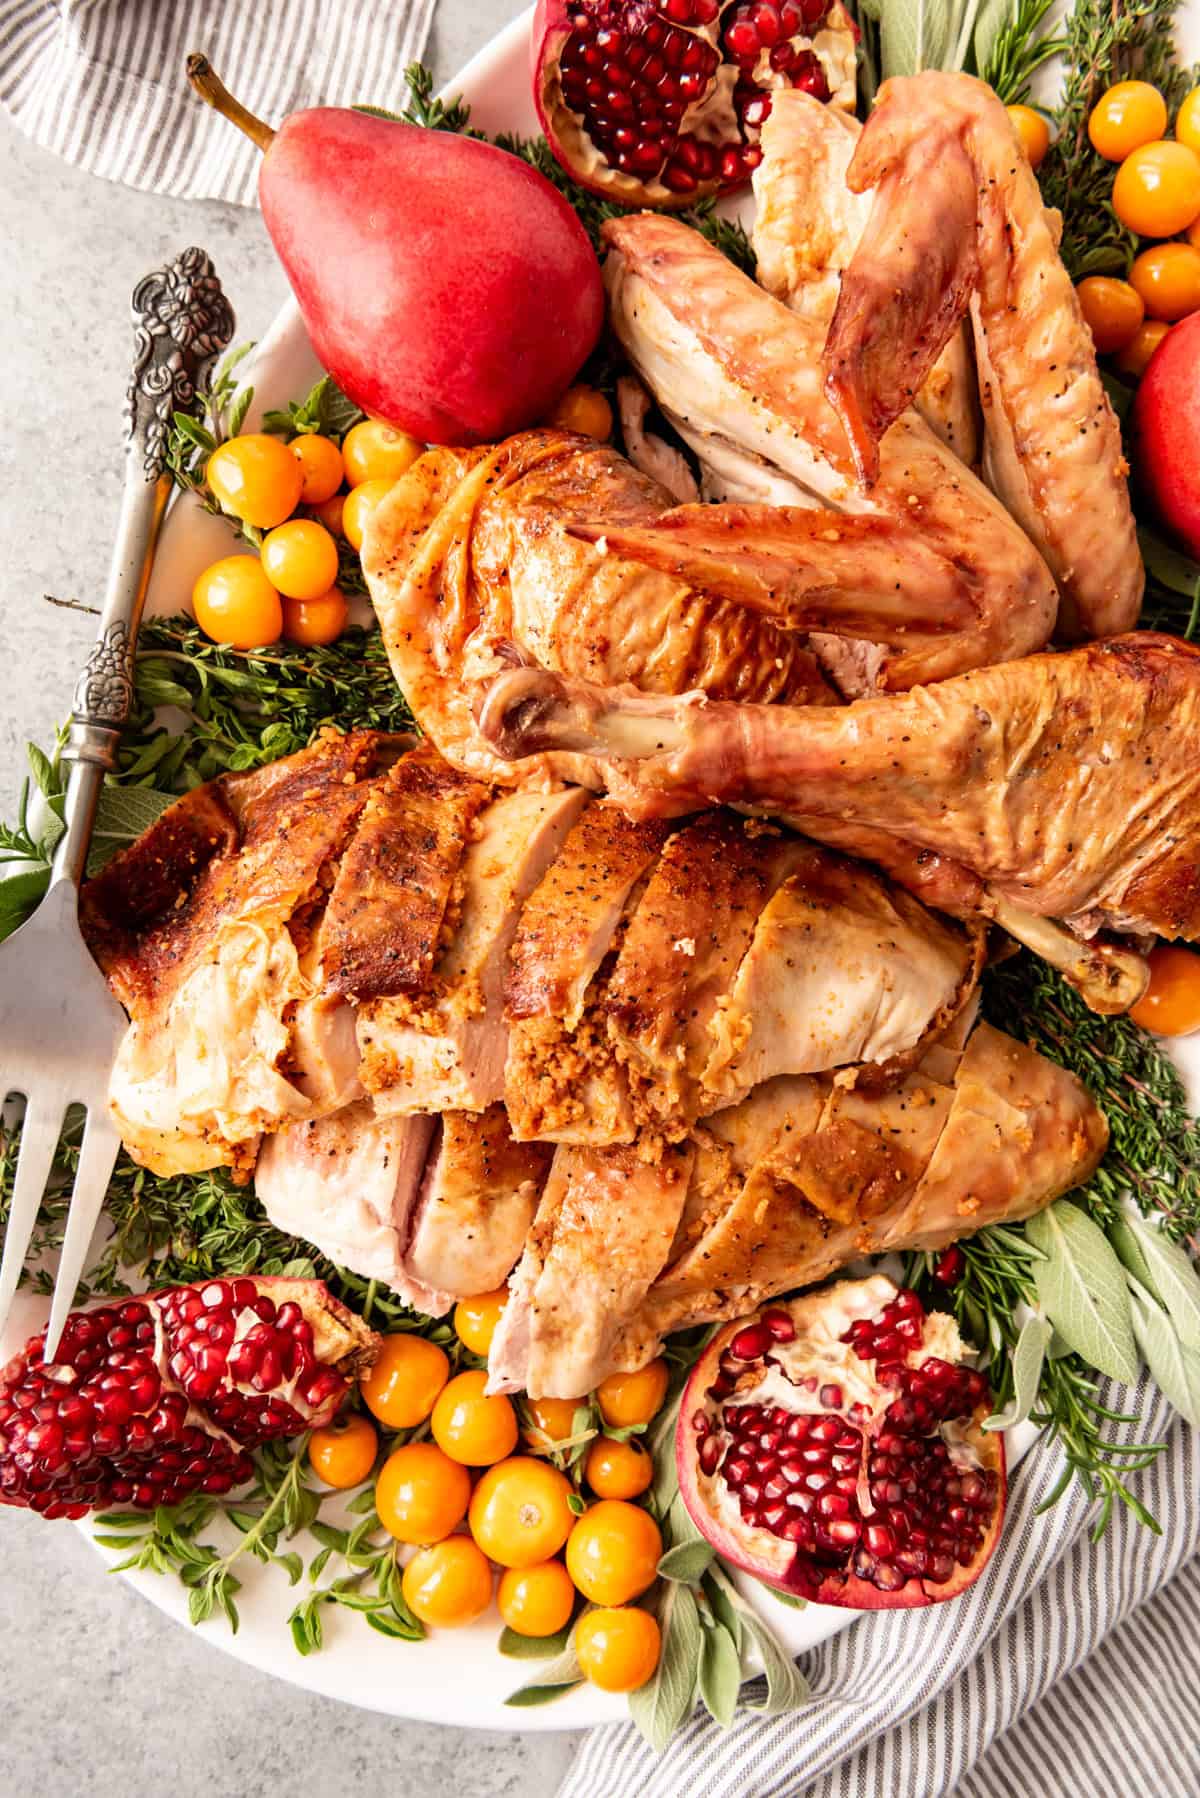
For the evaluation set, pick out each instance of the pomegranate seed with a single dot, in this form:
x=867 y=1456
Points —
x=948 y=1269
x=750 y=1344
x=880 y=1541
x=831 y=1397
x=710 y=1454
x=742 y=38
x=778 y=1326
x=765 y=20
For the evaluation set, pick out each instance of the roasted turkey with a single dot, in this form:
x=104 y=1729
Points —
x=453 y=1028
x=801 y=1177
x=1067 y=786
x=958 y=222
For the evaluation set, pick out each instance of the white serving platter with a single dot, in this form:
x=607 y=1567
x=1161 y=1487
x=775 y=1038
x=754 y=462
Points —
x=455 y=1677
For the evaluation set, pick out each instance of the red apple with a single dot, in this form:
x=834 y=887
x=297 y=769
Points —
x=1166 y=419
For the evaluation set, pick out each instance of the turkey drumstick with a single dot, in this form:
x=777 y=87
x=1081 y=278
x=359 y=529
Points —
x=1068 y=784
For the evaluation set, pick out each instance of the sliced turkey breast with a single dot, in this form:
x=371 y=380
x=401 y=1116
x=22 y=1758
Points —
x=443 y=1048
x=477 y=1200
x=841 y=969
x=197 y=926
x=681 y=952
x=562 y=1079
x=917 y=1167
x=348 y=1184
x=603 y=1230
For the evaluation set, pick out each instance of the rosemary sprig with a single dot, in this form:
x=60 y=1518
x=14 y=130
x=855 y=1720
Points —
x=1019 y=49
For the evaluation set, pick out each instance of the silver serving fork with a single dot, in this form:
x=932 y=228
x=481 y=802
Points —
x=59 y=1024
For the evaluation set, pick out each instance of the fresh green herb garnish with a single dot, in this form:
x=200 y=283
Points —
x=324 y=409
x=1011 y=44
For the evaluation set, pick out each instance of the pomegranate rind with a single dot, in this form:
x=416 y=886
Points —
x=793 y=1573
x=834 y=45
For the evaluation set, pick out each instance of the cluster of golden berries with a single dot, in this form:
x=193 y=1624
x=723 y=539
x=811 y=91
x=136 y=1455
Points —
x=483 y=1493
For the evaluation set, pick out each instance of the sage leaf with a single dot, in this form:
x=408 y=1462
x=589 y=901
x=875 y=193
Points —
x=528 y=1696
x=686 y=1562
x=661 y=1444
x=1176 y=1368
x=787 y=1687
x=679 y=1522
x=562 y=1670
x=1173 y=1277
x=1129 y=1252
x=915 y=35
x=722 y=1609
x=533 y=1648
x=1169 y=566
x=121 y=816
x=1081 y=1287
x=662 y=1704
x=720 y=1674
x=1028 y=1359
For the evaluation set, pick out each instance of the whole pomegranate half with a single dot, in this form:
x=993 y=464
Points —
x=832 y=1447
x=154 y=1397
x=661 y=102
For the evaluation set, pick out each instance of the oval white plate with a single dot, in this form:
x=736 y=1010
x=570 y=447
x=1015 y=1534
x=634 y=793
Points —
x=455 y=1676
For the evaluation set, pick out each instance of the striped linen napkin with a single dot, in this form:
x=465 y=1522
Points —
x=101 y=83
x=1054 y=1677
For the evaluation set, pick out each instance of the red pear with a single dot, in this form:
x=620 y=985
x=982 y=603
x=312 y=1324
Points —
x=446 y=286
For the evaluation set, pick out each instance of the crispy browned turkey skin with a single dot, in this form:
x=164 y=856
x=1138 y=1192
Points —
x=1068 y=784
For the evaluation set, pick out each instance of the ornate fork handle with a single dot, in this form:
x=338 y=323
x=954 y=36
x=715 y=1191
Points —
x=181 y=319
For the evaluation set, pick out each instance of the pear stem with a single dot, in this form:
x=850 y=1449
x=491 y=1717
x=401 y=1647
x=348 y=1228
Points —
x=214 y=93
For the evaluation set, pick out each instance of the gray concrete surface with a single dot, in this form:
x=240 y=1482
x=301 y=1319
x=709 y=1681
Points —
x=102 y=1695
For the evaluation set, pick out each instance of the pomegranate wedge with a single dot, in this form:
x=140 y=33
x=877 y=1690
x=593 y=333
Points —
x=832 y=1446
x=660 y=102
x=153 y=1397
